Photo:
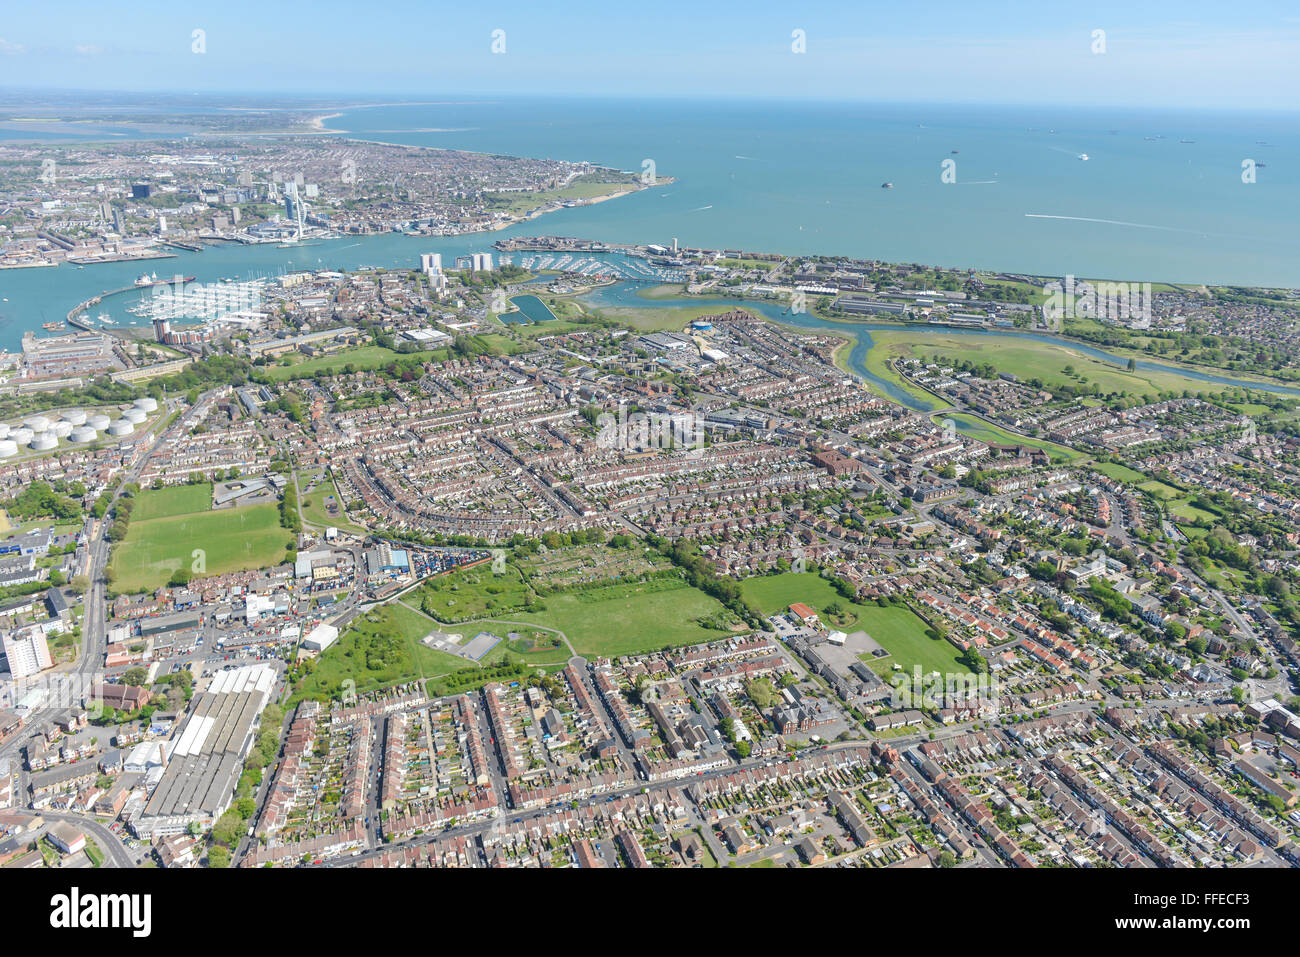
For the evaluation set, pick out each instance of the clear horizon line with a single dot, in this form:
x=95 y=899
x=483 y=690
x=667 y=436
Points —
x=312 y=99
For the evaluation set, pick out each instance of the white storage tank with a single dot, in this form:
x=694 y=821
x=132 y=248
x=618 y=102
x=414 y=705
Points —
x=8 y=447
x=134 y=415
x=98 y=421
x=37 y=423
x=147 y=404
x=62 y=429
x=44 y=441
x=22 y=435
x=82 y=433
x=75 y=417
x=121 y=427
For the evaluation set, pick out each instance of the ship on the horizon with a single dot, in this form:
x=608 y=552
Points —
x=1083 y=156
x=886 y=185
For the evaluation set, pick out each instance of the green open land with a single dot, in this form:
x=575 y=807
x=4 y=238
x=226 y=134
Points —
x=381 y=648
x=1121 y=473
x=173 y=500
x=384 y=646
x=987 y=432
x=520 y=204
x=230 y=539
x=894 y=627
x=609 y=612
x=1160 y=490
x=315 y=501
x=472 y=593
x=1026 y=359
x=363 y=357
x=1183 y=509
x=630 y=618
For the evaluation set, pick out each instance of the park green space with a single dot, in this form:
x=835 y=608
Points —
x=896 y=628
x=314 y=502
x=172 y=500
x=520 y=204
x=1183 y=509
x=382 y=647
x=1025 y=359
x=618 y=618
x=362 y=357
x=471 y=593
x=630 y=618
x=231 y=539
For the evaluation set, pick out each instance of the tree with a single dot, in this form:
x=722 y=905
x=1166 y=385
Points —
x=1132 y=365
x=135 y=677
x=80 y=583
x=218 y=856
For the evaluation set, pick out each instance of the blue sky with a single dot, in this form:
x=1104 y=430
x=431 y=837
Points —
x=1238 y=56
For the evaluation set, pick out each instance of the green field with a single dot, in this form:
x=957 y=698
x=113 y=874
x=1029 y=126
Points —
x=229 y=539
x=381 y=648
x=363 y=357
x=173 y=500
x=1121 y=473
x=896 y=628
x=314 y=502
x=520 y=204
x=1025 y=359
x=1160 y=489
x=471 y=593
x=613 y=619
x=630 y=619
x=1185 y=510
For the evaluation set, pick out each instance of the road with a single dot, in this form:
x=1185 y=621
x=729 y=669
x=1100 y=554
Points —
x=94 y=636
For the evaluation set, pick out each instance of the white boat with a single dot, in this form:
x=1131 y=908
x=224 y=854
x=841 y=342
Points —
x=1083 y=156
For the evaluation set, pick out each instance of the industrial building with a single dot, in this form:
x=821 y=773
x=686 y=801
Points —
x=207 y=755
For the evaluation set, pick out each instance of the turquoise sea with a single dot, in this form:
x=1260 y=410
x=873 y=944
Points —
x=1159 y=198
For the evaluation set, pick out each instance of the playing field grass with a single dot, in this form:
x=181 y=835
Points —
x=4 y=520
x=228 y=540
x=896 y=628
x=173 y=500
x=630 y=619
